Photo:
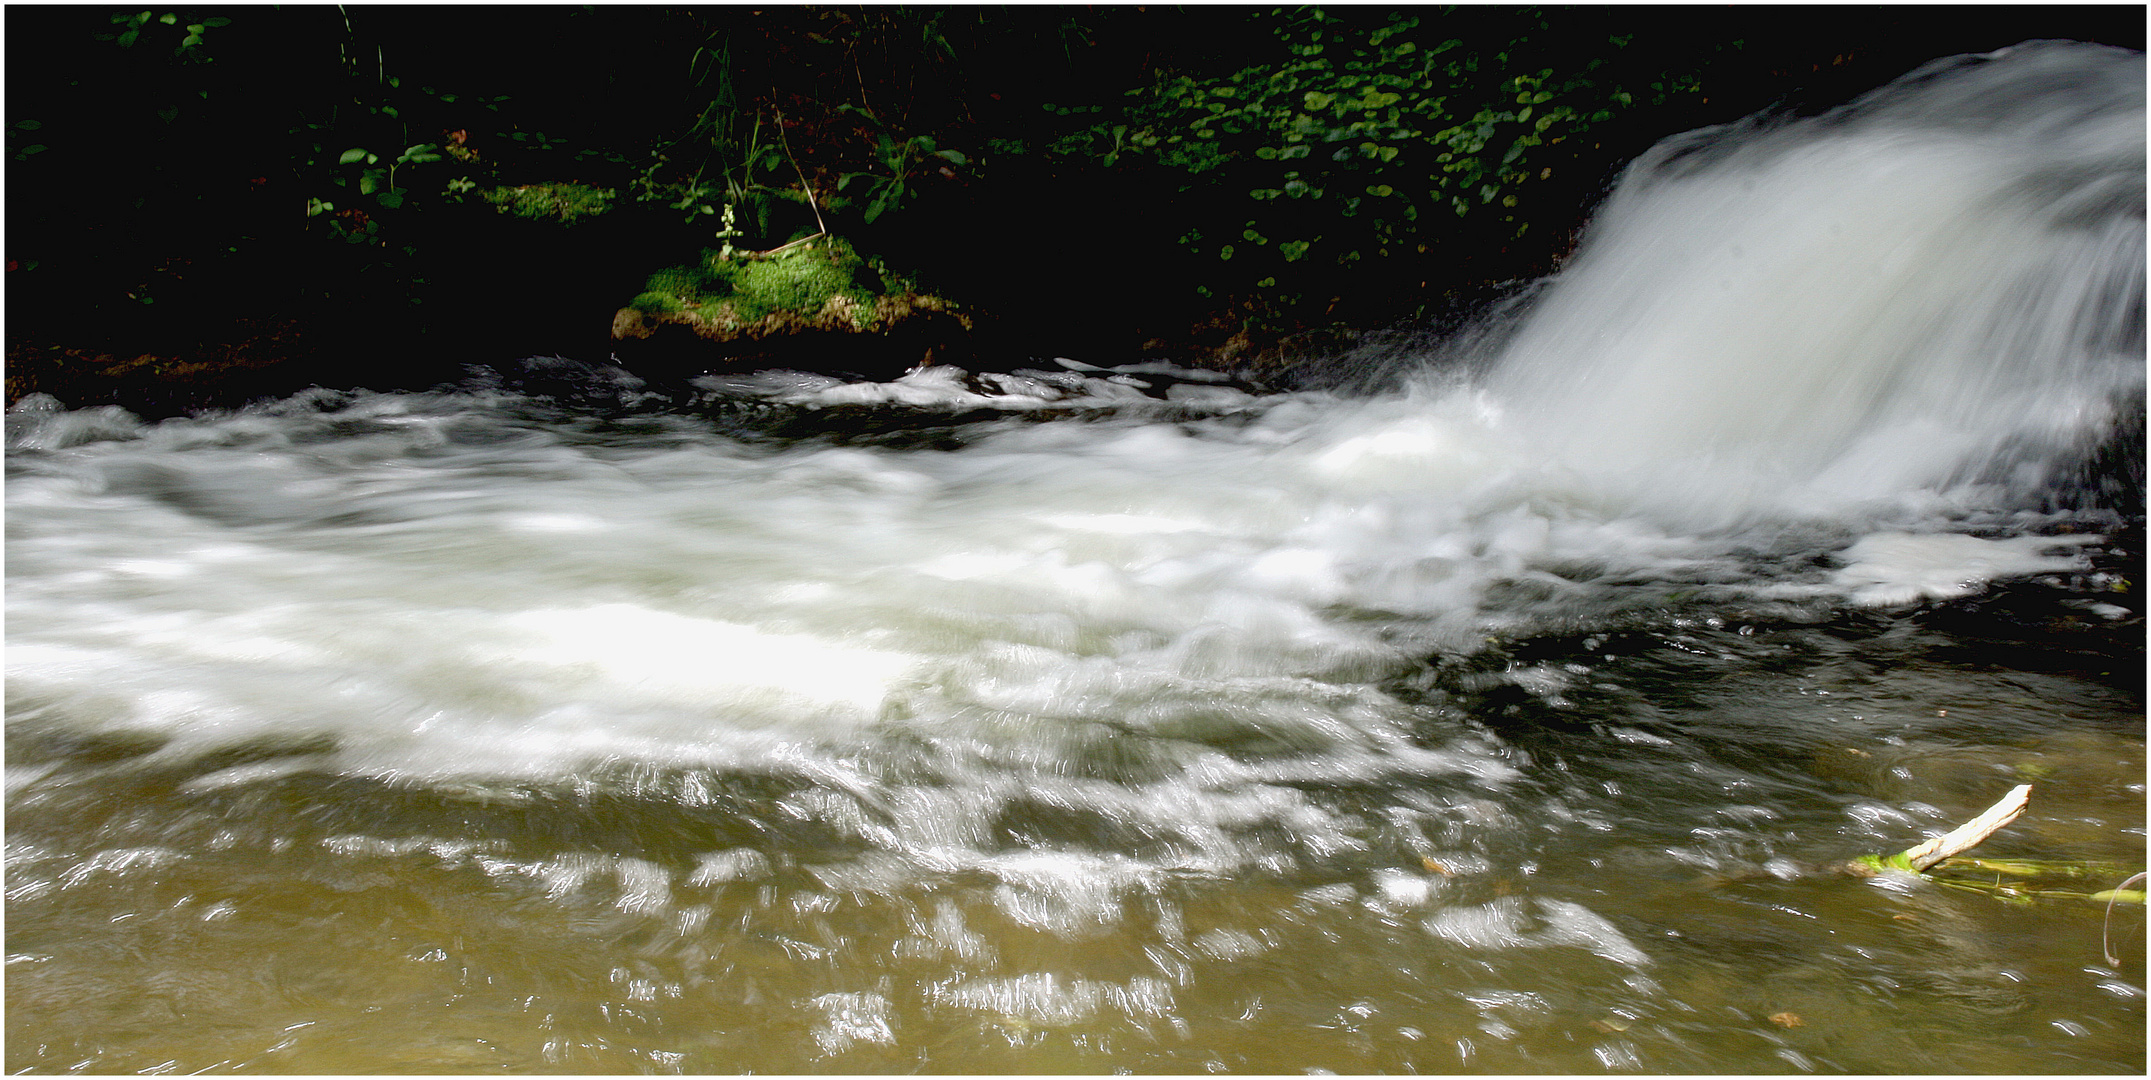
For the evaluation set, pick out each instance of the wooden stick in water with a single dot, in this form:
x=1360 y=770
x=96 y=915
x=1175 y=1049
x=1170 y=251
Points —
x=1972 y=833
x=1960 y=839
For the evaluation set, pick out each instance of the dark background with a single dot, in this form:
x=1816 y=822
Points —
x=157 y=235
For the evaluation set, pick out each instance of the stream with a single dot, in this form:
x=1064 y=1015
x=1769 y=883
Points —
x=1508 y=711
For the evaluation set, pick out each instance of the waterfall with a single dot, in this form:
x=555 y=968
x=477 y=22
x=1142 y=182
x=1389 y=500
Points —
x=1940 y=283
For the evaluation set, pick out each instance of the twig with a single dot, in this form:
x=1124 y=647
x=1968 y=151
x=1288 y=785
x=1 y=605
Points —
x=808 y=188
x=2106 y=949
x=780 y=248
x=1972 y=833
x=1962 y=838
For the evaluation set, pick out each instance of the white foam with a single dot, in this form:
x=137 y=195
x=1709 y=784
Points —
x=1885 y=569
x=641 y=652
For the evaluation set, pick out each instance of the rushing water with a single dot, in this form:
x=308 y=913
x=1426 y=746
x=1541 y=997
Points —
x=1079 y=720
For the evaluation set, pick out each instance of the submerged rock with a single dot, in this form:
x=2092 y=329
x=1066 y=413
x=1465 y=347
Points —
x=813 y=305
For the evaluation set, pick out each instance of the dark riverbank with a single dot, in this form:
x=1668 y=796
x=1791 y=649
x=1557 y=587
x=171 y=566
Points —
x=179 y=238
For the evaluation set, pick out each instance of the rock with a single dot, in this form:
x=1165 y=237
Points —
x=813 y=305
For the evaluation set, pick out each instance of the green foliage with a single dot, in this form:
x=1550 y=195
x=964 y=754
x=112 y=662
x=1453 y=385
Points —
x=736 y=163
x=137 y=27
x=797 y=281
x=18 y=135
x=1366 y=132
x=564 y=203
x=899 y=163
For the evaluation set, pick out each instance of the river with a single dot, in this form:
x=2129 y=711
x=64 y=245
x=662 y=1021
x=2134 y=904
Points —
x=1509 y=713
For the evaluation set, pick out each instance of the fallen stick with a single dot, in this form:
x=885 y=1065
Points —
x=1962 y=838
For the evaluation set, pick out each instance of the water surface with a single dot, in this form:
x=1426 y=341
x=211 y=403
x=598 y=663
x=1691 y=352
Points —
x=1075 y=720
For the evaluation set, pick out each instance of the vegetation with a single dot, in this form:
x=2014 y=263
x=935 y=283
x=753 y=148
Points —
x=1367 y=132
x=565 y=203
x=820 y=282
x=1232 y=169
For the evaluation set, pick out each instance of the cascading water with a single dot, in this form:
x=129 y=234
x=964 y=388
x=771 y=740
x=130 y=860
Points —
x=1940 y=283
x=1155 y=724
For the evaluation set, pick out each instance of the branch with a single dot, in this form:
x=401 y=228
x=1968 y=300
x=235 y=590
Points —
x=812 y=202
x=781 y=248
x=1962 y=838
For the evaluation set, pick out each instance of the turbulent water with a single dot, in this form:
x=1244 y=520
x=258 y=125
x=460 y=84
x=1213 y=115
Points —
x=1080 y=719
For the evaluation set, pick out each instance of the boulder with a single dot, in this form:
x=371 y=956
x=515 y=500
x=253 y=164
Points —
x=812 y=305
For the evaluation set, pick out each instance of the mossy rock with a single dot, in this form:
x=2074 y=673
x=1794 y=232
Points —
x=814 y=305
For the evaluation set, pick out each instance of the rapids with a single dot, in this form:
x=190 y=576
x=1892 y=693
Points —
x=1074 y=718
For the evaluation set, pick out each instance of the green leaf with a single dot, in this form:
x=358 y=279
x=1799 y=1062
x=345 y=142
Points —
x=1316 y=100
x=169 y=20
x=390 y=199
x=351 y=155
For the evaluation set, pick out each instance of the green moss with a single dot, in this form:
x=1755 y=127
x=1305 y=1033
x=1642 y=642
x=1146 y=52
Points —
x=676 y=281
x=657 y=302
x=562 y=203
x=822 y=283
x=800 y=281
